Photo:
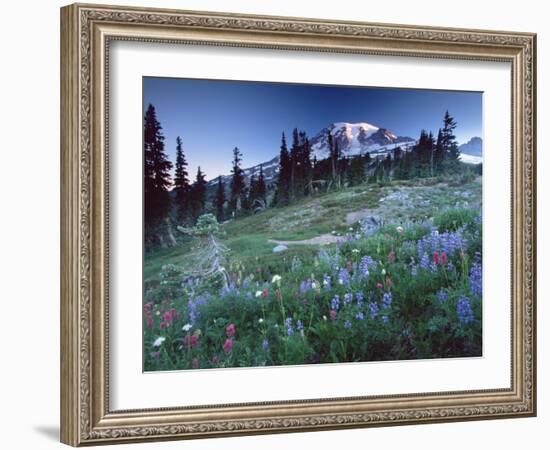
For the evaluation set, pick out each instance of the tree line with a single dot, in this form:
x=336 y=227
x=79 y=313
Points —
x=300 y=175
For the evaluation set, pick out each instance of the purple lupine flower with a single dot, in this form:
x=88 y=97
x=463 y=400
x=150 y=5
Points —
x=365 y=266
x=265 y=345
x=385 y=319
x=414 y=270
x=348 y=298
x=347 y=324
x=305 y=286
x=373 y=310
x=335 y=303
x=192 y=308
x=360 y=315
x=360 y=298
x=425 y=262
x=464 y=310
x=386 y=300
x=441 y=296
x=299 y=325
x=476 y=280
x=288 y=325
x=343 y=277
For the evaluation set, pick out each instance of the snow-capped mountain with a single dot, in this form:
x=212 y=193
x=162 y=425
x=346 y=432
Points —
x=357 y=139
x=472 y=151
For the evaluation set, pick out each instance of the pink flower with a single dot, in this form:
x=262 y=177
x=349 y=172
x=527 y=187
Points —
x=228 y=345
x=265 y=293
x=162 y=325
x=174 y=314
x=278 y=295
x=391 y=256
x=436 y=257
x=149 y=321
x=388 y=283
x=167 y=317
x=195 y=363
x=191 y=341
x=332 y=314
x=444 y=258
x=379 y=285
x=215 y=360
x=230 y=330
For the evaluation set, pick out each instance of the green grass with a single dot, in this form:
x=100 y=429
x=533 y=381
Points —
x=398 y=202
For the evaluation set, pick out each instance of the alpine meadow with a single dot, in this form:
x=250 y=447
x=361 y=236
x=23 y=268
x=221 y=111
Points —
x=290 y=224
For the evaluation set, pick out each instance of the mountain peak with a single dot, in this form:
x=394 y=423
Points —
x=357 y=139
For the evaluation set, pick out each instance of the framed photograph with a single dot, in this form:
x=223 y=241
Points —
x=276 y=224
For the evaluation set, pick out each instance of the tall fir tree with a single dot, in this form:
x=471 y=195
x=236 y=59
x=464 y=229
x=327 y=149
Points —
x=450 y=146
x=237 y=188
x=294 y=164
x=282 y=193
x=219 y=200
x=198 y=194
x=181 y=183
x=156 y=170
x=262 y=188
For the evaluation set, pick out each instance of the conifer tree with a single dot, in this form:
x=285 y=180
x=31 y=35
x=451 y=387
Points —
x=282 y=193
x=219 y=200
x=262 y=188
x=237 y=188
x=181 y=183
x=198 y=194
x=156 y=170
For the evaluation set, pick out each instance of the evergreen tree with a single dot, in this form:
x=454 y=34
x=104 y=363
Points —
x=450 y=146
x=219 y=200
x=237 y=188
x=198 y=194
x=262 y=188
x=282 y=193
x=181 y=183
x=356 y=171
x=439 y=153
x=156 y=170
x=295 y=164
x=252 y=192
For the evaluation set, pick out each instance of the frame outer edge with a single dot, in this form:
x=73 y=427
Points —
x=70 y=298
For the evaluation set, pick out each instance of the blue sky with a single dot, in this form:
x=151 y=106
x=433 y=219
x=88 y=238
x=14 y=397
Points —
x=212 y=117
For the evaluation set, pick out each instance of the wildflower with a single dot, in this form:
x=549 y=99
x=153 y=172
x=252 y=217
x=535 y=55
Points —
x=158 y=341
x=391 y=257
x=385 y=319
x=379 y=285
x=333 y=314
x=360 y=315
x=436 y=258
x=347 y=324
x=228 y=345
x=335 y=303
x=191 y=341
x=299 y=325
x=324 y=318
x=230 y=330
x=414 y=270
x=276 y=279
x=265 y=345
x=305 y=286
x=149 y=321
x=288 y=324
x=424 y=262
x=195 y=363
x=441 y=296
x=476 y=280
x=443 y=258
x=278 y=295
x=355 y=250
x=387 y=300
x=343 y=277
x=359 y=297
x=326 y=281
x=265 y=293
x=260 y=320
x=388 y=283
x=167 y=318
x=399 y=229
x=258 y=294
x=464 y=310
x=187 y=327
x=383 y=272
x=215 y=360
x=314 y=285
x=348 y=298
x=155 y=355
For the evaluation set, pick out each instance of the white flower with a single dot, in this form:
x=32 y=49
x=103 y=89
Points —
x=159 y=341
x=383 y=271
x=260 y=320
x=187 y=327
x=355 y=250
x=333 y=231
x=276 y=278
x=325 y=282
x=258 y=293
x=350 y=228
x=324 y=317
x=399 y=229
x=314 y=285
x=158 y=313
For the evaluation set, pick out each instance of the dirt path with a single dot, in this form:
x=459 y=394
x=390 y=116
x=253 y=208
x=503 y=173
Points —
x=323 y=239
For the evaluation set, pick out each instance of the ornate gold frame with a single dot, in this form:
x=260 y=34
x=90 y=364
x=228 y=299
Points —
x=86 y=31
